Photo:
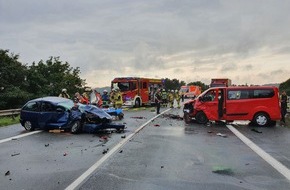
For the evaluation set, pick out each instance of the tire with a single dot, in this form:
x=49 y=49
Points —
x=261 y=119
x=28 y=126
x=201 y=118
x=76 y=127
x=186 y=118
x=137 y=103
x=121 y=116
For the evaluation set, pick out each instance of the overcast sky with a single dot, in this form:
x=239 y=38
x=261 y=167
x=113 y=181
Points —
x=247 y=41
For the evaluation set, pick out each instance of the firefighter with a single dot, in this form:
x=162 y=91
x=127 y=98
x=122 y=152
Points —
x=79 y=98
x=118 y=98
x=105 y=98
x=112 y=95
x=177 y=98
x=96 y=98
x=164 y=98
x=171 y=98
x=64 y=94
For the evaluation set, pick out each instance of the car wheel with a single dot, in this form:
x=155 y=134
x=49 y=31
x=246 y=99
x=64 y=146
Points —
x=76 y=127
x=186 y=118
x=137 y=103
x=261 y=119
x=201 y=118
x=28 y=126
x=121 y=116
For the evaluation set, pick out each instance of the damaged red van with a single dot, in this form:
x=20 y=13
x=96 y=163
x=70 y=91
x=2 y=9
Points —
x=258 y=104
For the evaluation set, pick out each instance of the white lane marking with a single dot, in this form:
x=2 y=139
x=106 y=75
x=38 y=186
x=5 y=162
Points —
x=80 y=180
x=267 y=157
x=19 y=136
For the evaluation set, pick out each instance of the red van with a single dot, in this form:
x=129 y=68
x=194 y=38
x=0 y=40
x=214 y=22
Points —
x=259 y=104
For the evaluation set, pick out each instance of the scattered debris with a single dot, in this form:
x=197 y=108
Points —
x=222 y=135
x=162 y=167
x=156 y=125
x=55 y=131
x=172 y=116
x=46 y=145
x=105 y=151
x=209 y=132
x=138 y=117
x=65 y=154
x=120 y=151
x=255 y=130
x=223 y=170
x=124 y=136
x=7 y=173
x=16 y=154
x=14 y=139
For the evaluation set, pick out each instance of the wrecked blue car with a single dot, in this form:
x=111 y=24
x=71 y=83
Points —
x=116 y=112
x=60 y=113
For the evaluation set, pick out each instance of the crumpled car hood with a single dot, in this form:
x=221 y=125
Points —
x=96 y=111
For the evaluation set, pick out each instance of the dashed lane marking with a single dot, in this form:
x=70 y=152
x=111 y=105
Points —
x=267 y=157
x=19 y=136
x=80 y=180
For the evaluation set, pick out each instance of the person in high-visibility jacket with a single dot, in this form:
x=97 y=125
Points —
x=164 y=98
x=171 y=98
x=177 y=98
x=118 y=98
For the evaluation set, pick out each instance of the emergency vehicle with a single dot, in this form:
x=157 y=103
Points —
x=137 y=91
x=192 y=91
x=258 y=104
x=216 y=82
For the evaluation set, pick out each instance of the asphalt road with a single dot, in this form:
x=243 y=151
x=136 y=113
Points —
x=164 y=154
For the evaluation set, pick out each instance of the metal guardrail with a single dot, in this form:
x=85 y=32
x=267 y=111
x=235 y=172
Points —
x=11 y=112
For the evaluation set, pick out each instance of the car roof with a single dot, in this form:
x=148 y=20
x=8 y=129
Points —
x=53 y=99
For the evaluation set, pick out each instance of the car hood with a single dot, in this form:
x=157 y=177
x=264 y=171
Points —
x=95 y=110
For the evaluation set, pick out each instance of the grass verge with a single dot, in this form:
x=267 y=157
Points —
x=5 y=121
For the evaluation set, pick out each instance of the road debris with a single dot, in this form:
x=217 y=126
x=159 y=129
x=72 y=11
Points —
x=223 y=170
x=46 y=145
x=255 y=130
x=222 y=135
x=172 y=116
x=55 y=131
x=65 y=154
x=138 y=117
x=162 y=167
x=124 y=136
x=7 y=173
x=16 y=154
x=156 y=125
x=120 y=151
x=105 y=151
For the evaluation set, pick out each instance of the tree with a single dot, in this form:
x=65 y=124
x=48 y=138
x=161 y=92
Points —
x=285 y=86
x=49 y=77
x=173 y=84
x=13 y=83
x=199 y=83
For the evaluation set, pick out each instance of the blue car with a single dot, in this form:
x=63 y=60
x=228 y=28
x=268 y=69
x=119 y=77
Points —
x=60 y=113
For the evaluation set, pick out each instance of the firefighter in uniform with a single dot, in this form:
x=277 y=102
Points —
x=112 y=97
x=118 y=98
x=171 y=98
x=164 y=98
x=177 y=98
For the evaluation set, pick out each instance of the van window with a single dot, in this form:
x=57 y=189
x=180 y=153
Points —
x=250 y=94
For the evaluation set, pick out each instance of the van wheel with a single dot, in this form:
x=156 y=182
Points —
x=186 y=118
x=76 y=127
x=261 y=119
x=28 y=126
x=201 y=118
x=137 y=103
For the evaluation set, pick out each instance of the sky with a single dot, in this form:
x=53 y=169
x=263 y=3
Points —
x=247 y=41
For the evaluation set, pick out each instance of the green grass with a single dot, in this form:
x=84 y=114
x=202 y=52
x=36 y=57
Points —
x=4 y=121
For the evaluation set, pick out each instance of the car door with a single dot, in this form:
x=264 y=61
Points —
x=210 y=104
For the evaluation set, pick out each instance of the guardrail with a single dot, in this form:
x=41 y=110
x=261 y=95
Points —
x=11 y=112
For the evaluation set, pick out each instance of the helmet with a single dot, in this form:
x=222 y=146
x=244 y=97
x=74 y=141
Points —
x=172 y=90
x=105 y=91
x=163 y=90
x=63 y=90
x=176 y=90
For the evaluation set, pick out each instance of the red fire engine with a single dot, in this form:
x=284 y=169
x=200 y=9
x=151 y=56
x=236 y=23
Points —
x=137 y=91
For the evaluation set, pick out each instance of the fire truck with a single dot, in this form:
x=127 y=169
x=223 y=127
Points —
x=137 y=91
x=219 y=82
